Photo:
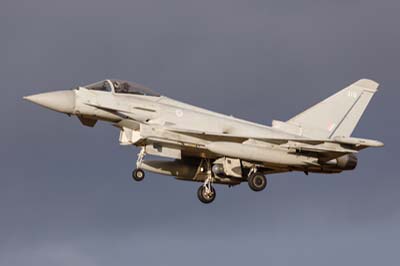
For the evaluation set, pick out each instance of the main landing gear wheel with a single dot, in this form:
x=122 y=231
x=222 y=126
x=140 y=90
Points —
x=138 y=174
x=257 y=181
x=206 y=194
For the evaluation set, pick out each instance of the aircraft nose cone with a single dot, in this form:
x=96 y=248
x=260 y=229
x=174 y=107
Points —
x=60 y=101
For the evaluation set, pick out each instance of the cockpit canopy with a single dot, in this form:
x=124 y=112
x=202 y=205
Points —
x=121 y=86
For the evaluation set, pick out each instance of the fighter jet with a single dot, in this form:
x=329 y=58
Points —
x=212 y=148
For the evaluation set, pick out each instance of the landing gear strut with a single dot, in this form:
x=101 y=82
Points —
x=138 y=174
x=206 y=193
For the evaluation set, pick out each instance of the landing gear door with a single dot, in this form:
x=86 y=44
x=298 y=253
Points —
x=163 y=151
x=232 y=167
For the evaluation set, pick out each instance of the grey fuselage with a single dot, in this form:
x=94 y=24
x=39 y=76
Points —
x=163 y=111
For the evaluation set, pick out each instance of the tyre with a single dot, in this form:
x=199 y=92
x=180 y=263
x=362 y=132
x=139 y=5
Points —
x=138 y=174
x=257 y=182
x=204 y=196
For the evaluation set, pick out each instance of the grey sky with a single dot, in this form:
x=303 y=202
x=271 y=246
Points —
x=66 y=196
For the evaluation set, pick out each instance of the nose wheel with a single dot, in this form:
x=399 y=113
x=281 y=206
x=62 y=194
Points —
x=138 y=174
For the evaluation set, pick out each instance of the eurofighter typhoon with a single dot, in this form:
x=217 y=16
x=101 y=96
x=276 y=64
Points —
x=213 y=148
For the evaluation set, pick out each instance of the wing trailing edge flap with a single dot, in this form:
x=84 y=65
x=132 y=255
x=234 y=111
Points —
x=356 y=143
x=319 y=148
x=324 y=151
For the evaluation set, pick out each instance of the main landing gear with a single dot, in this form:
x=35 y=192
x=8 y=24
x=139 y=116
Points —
x=256 y=181
x=138 y=174
x=206 y=193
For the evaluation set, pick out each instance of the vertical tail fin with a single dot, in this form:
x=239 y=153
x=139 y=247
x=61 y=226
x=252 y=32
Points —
x=337 y=115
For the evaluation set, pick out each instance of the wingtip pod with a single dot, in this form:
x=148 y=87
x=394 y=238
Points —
x=367 y=84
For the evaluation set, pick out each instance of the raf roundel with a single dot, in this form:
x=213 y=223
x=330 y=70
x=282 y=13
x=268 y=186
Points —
x=179 y=112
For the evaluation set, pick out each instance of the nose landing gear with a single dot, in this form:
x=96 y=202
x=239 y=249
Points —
x=138 y=174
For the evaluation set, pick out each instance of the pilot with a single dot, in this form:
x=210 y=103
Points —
x=116 y=86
